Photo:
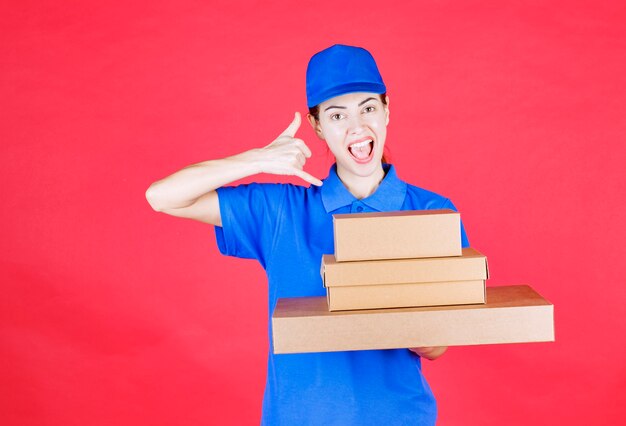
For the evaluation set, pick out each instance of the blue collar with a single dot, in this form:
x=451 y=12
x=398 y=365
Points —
x=389 y=195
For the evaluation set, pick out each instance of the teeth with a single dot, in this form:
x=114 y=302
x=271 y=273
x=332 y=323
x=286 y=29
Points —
x=360 y=144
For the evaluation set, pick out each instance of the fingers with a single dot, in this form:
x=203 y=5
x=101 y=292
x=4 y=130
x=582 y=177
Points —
x=293 y=127
x=430 y=352
x=301 y=159
x=291 y=153
x=307 y=177
x=288 y=135
x=303 y=147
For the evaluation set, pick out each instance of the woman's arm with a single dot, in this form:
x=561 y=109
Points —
x=190 y=192
x=431 y=353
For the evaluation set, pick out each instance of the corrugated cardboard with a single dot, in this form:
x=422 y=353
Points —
x=402 y=283
x=397 y=235
x=405 y=295
x=512 y=314
x=471 y=265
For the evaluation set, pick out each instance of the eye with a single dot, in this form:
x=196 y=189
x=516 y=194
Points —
x=369 y=108
x=335 y=116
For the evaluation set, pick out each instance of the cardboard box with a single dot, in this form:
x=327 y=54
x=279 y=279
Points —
x=405 y=295
x=401 y=283
x=512 y=314
x=405 y=282
x=397 y=235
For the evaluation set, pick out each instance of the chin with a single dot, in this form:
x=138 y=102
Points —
x=361 y=170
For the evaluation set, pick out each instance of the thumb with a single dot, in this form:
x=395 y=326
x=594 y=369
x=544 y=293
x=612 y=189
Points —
x=293 y=127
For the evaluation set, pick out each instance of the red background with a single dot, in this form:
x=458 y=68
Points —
x=113 y=314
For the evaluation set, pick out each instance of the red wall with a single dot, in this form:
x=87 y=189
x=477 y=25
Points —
x=114 y=314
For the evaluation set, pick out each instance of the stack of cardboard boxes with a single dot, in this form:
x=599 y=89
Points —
x=402 y=259
x=402 y=280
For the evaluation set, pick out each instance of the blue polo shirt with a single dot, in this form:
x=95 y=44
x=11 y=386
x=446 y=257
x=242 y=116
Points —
x=287 y=228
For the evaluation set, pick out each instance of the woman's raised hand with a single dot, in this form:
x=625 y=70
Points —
x=190 y=192
x=286 y=155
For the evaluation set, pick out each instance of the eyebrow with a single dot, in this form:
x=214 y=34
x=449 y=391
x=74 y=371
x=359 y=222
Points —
x=343 y=107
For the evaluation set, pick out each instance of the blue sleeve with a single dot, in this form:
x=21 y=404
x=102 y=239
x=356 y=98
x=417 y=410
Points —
x=249 y=215
x=464 y=241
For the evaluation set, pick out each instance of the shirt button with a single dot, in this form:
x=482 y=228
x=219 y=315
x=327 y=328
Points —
x=359 y=208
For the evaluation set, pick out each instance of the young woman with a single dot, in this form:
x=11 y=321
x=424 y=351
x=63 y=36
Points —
x=288 y=227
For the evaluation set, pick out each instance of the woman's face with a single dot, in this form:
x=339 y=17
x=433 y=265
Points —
x=355 y=127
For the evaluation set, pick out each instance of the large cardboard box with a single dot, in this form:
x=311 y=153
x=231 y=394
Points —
x=512 y=314
x=397 y=235
x=401 y=283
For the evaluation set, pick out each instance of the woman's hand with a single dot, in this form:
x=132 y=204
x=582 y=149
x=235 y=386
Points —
x=190 y=192
x=286 y=155
x=431 y=353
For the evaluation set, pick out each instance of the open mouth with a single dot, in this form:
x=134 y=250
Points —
x=362 y=150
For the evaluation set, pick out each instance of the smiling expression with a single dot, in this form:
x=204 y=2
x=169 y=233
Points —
x=354 y=127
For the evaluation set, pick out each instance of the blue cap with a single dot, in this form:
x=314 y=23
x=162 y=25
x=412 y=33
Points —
x=341 y=69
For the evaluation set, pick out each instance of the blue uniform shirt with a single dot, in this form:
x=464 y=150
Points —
x=287 y=228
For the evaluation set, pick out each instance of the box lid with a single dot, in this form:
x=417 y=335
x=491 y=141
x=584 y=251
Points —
x=471 y=265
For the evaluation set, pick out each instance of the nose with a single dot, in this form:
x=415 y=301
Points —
x=356 y=124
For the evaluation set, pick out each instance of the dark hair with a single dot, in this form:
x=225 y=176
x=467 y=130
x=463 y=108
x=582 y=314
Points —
x=315 y=112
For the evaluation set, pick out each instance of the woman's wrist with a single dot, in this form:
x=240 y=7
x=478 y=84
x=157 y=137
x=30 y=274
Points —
x=251 y=161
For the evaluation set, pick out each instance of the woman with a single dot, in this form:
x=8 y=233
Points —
x=288 y=227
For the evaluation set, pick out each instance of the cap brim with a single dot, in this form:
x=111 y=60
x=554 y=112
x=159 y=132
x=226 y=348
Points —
x=345 y=89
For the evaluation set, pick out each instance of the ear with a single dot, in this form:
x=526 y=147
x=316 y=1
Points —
x=316 y=126
x=387 y=110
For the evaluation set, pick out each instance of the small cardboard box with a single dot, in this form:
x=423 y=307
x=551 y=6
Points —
x=397 y=235
x=405 y=295
x=402 y=283
x=512 y=314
